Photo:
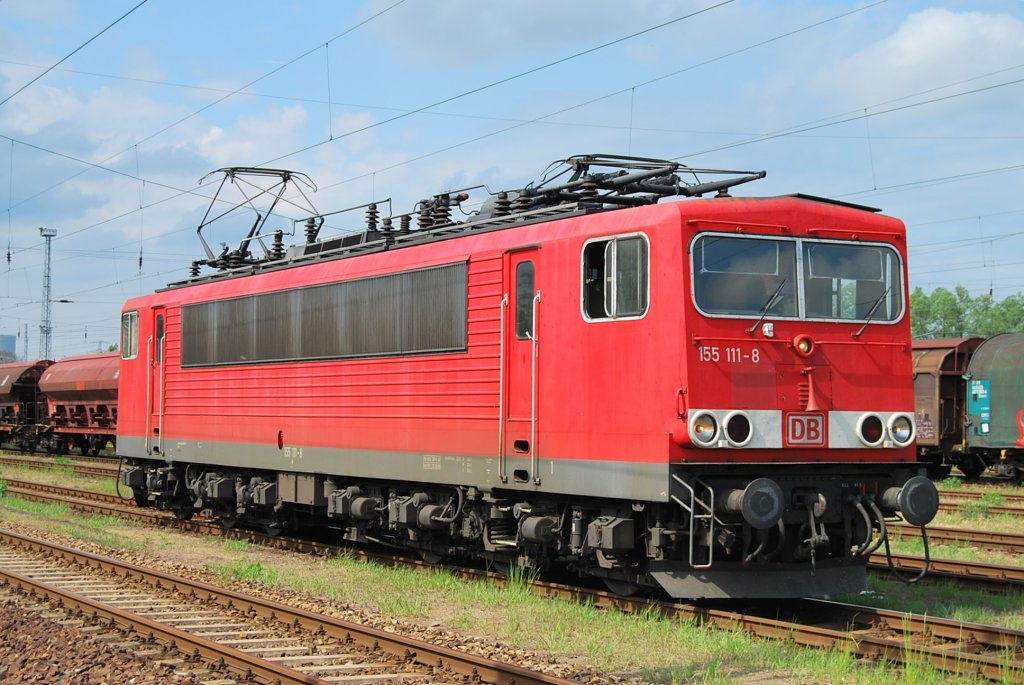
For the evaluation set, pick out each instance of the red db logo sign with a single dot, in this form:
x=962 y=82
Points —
x=805 y=430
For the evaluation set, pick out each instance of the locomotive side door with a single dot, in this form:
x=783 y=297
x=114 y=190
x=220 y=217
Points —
x=520 y=316
x=155 y=389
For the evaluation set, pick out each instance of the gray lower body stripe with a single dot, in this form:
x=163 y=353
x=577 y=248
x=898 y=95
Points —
x=584 y=478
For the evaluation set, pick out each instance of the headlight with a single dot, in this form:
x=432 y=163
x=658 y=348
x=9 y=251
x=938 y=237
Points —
x=901 y=428
x=870 y=430
x=704 y=429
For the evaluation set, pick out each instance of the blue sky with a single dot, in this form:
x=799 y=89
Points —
x=913 y=107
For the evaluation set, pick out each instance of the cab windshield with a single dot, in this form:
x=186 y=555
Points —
x=796 y=278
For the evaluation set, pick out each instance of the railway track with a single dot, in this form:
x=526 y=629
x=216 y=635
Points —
x=96 y=467
x=949 y=645
x=252 y=636
x=1012 y=543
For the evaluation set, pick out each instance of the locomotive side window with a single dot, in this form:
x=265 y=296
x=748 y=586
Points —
x=524 y=300
x=129 y=335
x=615 y=278
x=413 y=312
x=745 y=276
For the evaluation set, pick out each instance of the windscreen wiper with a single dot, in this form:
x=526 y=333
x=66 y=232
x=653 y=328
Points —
x=871 y=312
x=768 y=305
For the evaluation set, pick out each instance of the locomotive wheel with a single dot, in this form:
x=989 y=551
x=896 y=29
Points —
x=620 y=587
x=429 y=557
x=184 y=513
x=503 y=567
x=227 y=522
x=273 y=529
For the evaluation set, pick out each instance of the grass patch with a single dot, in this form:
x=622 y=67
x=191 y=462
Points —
x=979 y=508
x=239 y=546
x=944 y=598
x=65 y=475
x=44 y=510
x=105 y=531
x=247 y=571
x=99 y=530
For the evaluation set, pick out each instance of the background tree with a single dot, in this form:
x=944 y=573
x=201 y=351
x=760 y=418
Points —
x=946 y=314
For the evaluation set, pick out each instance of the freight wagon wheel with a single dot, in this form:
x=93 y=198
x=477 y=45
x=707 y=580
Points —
x=972 y=468
x=939 y=471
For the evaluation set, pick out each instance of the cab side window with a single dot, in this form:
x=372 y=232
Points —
x=615 y=278
x=524 y=300
x=129 y=335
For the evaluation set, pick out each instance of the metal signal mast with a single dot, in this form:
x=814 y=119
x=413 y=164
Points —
x=45 y=346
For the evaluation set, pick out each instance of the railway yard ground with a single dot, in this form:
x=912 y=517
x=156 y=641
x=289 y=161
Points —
x=572 y=640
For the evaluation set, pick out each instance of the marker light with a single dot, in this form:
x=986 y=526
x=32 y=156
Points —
x=803 y=345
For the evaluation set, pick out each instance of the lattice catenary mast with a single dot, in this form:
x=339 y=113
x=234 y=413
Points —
x=45 y=346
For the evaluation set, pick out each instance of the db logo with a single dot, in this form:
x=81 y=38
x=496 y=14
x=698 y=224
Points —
x=805 y=430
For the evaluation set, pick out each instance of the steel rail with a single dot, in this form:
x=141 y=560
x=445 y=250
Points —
x=185 y=642
x=79 y=468
x=984 y=539
x=1001 y=575
x=1012 y=499
x=406 y=648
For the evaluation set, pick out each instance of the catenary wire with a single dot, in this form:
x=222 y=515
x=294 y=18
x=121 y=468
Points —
x=70 y=54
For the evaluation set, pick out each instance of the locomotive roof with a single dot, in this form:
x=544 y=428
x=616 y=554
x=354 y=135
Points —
x=578 y=185
x=596 y=183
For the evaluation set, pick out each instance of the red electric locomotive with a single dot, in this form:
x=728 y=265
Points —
x=711 y=396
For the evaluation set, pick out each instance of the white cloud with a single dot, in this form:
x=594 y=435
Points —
x=250 y=140
x=931 y=48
